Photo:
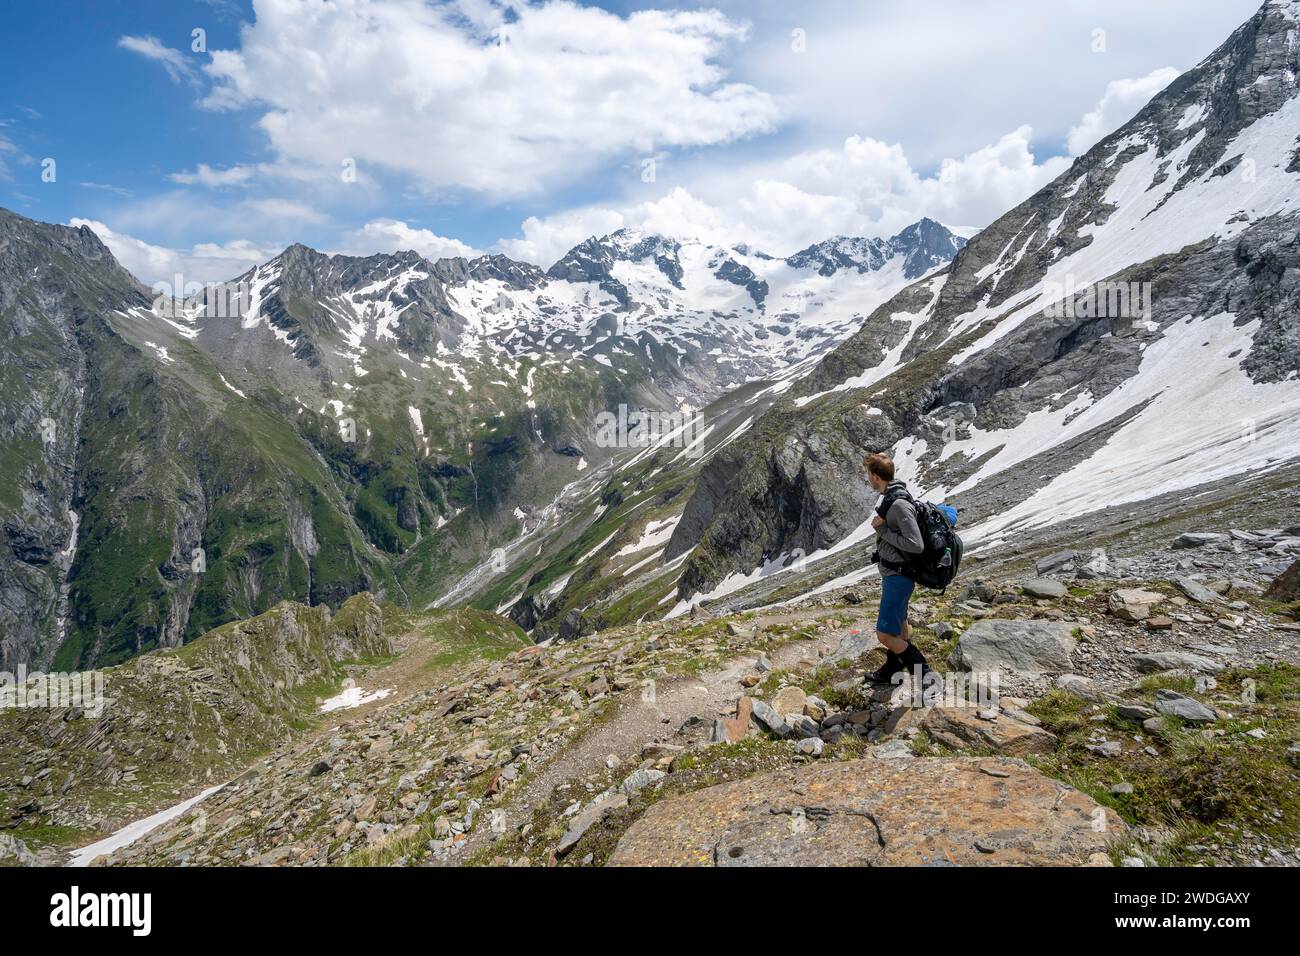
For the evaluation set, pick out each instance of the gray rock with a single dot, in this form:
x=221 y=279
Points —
x=1195 y=590
x=1078 y=684
x=638 y=780
x=1139 y=712
x=1197 y=539
x=1044 y=588
x=770 y=719
x=1173 y=704
x=1054 y=561
x=894 y=749
x=1174 y=660
x=583 y=821
x=854 y=646
x=802 y=726
x=1133 y=604
x=15 y=852
x=1026 y=646
x=812 y=746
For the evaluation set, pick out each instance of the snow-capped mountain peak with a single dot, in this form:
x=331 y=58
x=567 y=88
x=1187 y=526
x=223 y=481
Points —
x=923 y=246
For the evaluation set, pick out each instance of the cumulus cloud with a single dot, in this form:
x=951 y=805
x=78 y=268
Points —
x=1120 y=103
x=393 y=235
x=173 y=61
x=502 y=100
x=862 y=187
x=204 y=262
x=547 y=238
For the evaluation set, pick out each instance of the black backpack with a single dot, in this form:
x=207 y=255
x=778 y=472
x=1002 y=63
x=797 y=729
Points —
x=937 y=565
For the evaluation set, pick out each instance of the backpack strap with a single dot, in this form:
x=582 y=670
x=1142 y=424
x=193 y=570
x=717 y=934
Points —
x=893 y=493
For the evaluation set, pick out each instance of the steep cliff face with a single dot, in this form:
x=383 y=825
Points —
x=1127 y=331
x=142 y=505
x=55 y=284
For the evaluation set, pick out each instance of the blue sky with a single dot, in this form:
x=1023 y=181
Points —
x=479 y=126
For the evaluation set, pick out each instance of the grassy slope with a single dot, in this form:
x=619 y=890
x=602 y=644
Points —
x=186 y=718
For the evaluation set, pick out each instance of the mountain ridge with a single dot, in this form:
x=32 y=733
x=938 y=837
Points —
x=353 y=422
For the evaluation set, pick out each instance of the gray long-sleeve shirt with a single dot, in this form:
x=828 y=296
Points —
x=900 y=535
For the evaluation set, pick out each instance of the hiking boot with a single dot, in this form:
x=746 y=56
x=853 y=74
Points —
x=885 y=673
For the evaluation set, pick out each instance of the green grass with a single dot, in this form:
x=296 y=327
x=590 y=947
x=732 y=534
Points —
x=1205 y=785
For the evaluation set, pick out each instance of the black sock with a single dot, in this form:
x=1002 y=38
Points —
x=911 y=657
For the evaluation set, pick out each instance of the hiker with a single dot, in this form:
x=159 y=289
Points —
x=898 y=539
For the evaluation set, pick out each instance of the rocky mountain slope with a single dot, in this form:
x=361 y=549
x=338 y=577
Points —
x=179 y=720
x=1143 y=714
x=325 y=424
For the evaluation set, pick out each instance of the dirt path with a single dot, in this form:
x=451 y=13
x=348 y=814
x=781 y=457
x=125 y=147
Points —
x=638 y=721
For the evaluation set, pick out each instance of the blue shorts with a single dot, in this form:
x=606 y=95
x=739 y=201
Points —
x=895 y=591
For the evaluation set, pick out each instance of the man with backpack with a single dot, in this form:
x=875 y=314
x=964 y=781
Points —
x=900 y=543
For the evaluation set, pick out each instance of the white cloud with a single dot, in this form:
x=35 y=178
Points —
x=943 y=75
x=862 y=187
x=205 y=175
x=548 y=238
x=205 y=262
x=393 y=235
x=173 y=61
x=1120 y=103
x=481 y=96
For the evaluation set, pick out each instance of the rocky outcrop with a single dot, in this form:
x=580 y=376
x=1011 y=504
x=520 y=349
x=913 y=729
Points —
x=1025 y=646
x=192 y=711
x=966 y=728
x=961 y=811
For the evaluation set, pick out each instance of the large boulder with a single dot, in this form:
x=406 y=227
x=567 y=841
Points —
x=967 y=811
x=1195 y=590
x=1054 y=562
x=1025 y=646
